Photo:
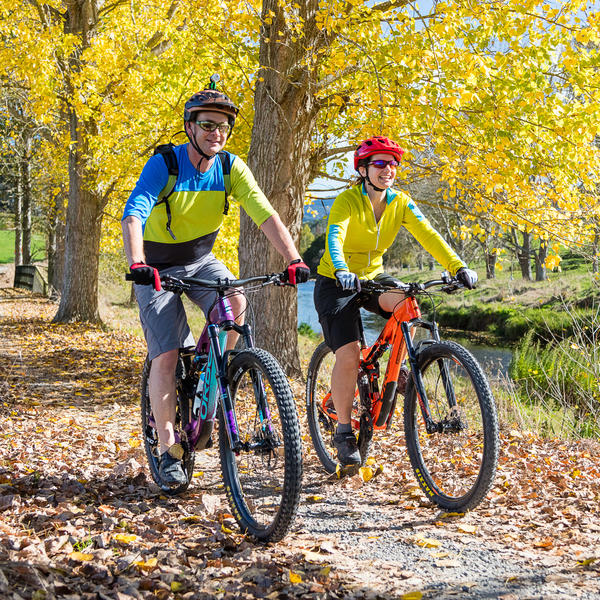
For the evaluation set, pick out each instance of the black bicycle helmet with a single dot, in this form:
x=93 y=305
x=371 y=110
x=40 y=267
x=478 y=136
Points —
x=211 y=99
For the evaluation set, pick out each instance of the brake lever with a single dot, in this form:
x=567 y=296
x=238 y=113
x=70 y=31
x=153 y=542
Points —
x=172 y=284
x=453 y=287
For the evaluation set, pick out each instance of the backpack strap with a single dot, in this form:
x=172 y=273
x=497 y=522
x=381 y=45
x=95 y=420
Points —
x=225 y=159
x=168 y=153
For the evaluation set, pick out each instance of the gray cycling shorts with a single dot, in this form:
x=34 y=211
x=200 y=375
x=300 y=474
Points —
x=162 y=314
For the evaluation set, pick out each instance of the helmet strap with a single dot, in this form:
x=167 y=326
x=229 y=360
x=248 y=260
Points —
x=197 y=148
x=377 y=189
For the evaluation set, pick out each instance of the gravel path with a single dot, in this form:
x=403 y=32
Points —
x=387 y=543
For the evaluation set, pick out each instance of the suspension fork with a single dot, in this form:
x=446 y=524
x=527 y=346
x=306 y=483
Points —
x=264 y=414
x=444 y=371
x=430 y=424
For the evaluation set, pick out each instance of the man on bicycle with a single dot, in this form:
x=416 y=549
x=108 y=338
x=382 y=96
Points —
x=362 y=225
x=175 y=237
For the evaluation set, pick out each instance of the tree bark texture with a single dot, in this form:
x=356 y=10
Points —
x=279 y=157
x=56 y=246
x=79 y=298
x=25 y=175
x=595 y=245
x=19 y=221
x=490 y=264
x=541 y=273
x=524 y=255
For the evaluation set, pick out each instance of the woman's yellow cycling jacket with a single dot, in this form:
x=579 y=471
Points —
x=356 y=243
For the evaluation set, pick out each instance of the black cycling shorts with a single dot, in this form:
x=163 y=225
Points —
x=338 y=315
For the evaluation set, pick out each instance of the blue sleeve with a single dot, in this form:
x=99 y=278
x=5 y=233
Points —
x=152 y=180
x=335 y=236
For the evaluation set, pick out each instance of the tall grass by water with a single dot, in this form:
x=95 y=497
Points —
x=556 y=385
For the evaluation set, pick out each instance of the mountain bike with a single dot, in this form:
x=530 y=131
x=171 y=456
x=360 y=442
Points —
x=249 y=396
x=450 y=420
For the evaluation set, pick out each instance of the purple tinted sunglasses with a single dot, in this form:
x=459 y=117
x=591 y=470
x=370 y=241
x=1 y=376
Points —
x=382 y=164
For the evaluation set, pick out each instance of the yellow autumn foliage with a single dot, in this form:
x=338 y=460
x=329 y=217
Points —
x=498 y=98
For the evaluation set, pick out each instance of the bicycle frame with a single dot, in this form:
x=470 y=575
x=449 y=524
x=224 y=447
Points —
x=397 y=334
x=216 y=384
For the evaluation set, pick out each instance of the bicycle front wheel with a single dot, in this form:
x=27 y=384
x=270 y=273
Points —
x=320 y=413
x=455 y=463
x=263 y=479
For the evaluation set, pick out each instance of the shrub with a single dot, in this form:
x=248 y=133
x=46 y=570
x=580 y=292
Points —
x=563 y=375
x=308 y=331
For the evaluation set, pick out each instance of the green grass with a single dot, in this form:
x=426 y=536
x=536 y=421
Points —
x=7 y=247
x=507 y=308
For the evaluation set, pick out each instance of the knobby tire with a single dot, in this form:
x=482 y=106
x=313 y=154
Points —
x=263 y=486
x=456 y=467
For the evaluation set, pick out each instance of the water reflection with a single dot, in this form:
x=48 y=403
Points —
x=494 y=360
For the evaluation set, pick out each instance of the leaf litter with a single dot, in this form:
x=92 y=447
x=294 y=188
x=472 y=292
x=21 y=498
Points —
x=81 y=518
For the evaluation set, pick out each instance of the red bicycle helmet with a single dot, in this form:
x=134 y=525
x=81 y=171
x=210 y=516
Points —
x=376 y=145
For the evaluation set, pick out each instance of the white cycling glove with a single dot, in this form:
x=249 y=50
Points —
x=467 y=277
x=347 y=280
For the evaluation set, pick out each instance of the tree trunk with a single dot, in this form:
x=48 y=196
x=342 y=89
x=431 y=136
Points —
x=490 y=264
x=595 y=244
x=541 y=273
x=56 y=246
x=19 y=220
x=79 y=299
x=25 y=176
x=279 y=157
x=524 y=256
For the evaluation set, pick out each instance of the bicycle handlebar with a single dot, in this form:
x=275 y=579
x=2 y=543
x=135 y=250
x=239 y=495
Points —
x=174 y=284
x=448 y=283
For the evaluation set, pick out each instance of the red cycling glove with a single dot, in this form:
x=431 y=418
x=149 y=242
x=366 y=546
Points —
x=144 y=274
x=297 y=272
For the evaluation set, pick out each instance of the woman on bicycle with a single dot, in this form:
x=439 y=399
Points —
x=362 y=225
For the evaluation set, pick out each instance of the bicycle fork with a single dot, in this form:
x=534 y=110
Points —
x=228 y=408
x=223 y=389
x=431 y=426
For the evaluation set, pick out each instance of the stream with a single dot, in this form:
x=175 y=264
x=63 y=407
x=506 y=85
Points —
x=495 y=360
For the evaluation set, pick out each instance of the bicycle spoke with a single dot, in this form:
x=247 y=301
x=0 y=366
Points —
x=455 y=464
x=263 y=477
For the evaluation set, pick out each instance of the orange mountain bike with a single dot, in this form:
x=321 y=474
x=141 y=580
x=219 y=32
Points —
x=450 y=420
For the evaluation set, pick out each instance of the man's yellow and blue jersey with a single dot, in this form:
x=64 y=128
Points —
x=355 y=242
x=196 y=205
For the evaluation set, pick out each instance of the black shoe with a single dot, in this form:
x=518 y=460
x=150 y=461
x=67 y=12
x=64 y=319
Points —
x=403 y=377
x=170 y=467
x=347 y=449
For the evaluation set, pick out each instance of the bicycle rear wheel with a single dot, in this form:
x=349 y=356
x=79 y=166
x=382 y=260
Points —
x=320 y=413
x=149 y=429
x=263 y=479
x=455 y=465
